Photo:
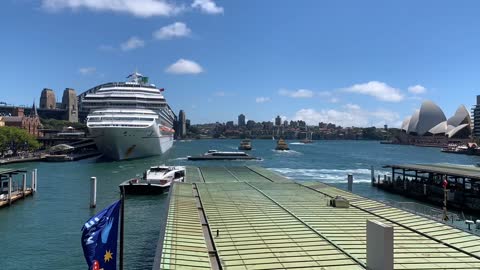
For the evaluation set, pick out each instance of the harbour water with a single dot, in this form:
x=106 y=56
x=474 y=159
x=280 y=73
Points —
x=43 y=231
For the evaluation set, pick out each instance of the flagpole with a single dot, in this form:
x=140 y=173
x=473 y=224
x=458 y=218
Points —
x=122 y=208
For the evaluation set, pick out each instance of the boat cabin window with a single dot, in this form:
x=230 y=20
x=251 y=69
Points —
x=158 y=169
x=179 y=174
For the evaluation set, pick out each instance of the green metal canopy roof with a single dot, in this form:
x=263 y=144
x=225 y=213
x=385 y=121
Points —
x=442 y=168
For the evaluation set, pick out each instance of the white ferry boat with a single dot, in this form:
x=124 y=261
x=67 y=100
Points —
x=129 y=119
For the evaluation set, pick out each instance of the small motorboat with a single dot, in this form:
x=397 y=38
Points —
x=155 y=180
x=245 y=145
x=218 y=155
x=282 y=145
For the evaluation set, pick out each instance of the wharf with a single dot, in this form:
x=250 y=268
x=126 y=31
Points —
x=251 y=218
x=10 y=188
x=424 y=182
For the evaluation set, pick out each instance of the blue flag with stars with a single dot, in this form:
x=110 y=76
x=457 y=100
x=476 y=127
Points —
x=99 y=238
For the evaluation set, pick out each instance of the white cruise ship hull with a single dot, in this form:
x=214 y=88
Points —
x=120 y=143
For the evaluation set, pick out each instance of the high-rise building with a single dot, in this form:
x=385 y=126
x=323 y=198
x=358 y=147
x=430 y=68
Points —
x=278 y=121
x=250 y=124
x=241 y=120
x=476 y=118
x=182 y=124
x=47 y=99
x=285 y=123
x=70 y=104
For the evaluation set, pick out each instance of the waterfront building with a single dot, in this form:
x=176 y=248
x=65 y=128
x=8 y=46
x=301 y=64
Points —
x=428 y=126
x=250 y=124
x=47 y=99
x=182 y=124
x=476 y=118
x=30 y=123
x=285 y=123
x=278 y=121
x=2 y=121
x=241 y=120
x=229 y=125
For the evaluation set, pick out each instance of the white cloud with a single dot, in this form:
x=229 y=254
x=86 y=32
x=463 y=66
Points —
x=417 y=89
x=300 y=93
x=87 y=70
x=379 y=90
x=183 y=66
x=220 y=94
x=262 y=99
x=138 y=8
x=132 y=43
x=333 y=100
x=207 y=6
x=351 y=116
x=351 y=106
x=324 y=94
x=174 y=30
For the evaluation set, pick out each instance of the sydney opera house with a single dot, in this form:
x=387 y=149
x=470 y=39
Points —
x=430 y=122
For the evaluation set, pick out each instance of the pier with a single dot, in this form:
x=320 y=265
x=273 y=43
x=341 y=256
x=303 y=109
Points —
x=252 y=218
x=424 y=182
x=11 y=190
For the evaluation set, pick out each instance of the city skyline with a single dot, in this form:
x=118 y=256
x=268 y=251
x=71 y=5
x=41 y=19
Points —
x=361 y=64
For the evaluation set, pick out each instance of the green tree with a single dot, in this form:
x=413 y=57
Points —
x=16 y=139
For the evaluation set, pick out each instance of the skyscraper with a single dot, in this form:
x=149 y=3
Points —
x=476 y=118
x=241 y=120
x=278 y=121
x=182 y=124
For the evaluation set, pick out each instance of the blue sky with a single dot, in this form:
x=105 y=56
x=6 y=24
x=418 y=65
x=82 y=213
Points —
x=349 y=62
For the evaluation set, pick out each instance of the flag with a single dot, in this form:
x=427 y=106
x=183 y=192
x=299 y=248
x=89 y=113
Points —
x=162 y=89
x=99 y=238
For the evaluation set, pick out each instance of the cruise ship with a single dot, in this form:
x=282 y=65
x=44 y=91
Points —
x=129 y=119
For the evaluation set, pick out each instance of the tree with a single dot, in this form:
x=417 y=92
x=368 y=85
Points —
x=16 y=139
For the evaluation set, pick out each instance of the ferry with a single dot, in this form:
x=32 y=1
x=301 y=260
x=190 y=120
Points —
x=129 y=119
x=219 y=155
x=282 y=145
x=155 y=180
x=245 y=145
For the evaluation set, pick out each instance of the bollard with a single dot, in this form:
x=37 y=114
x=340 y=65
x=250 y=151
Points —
x=379 y=246
x=10 y=190
x=24 y=184
x=372 y=175
x=93 y=192
x=218 y=232
x=350 y=182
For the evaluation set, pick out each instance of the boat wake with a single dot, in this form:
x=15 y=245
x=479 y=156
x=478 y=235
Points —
x=287 y=152
x=180 y=158
x=298 y=143
x=327 y=175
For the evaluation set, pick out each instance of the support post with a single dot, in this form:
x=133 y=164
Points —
x=384 y=178
x=372 y=175
x=122 y=224
x=93 y=192
x=10 y=190
x=24 y=184
x=379 y=246
x=424 y=189
x=350 y=182
x=378 y=182
x=36 y=180
x=33 y=181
